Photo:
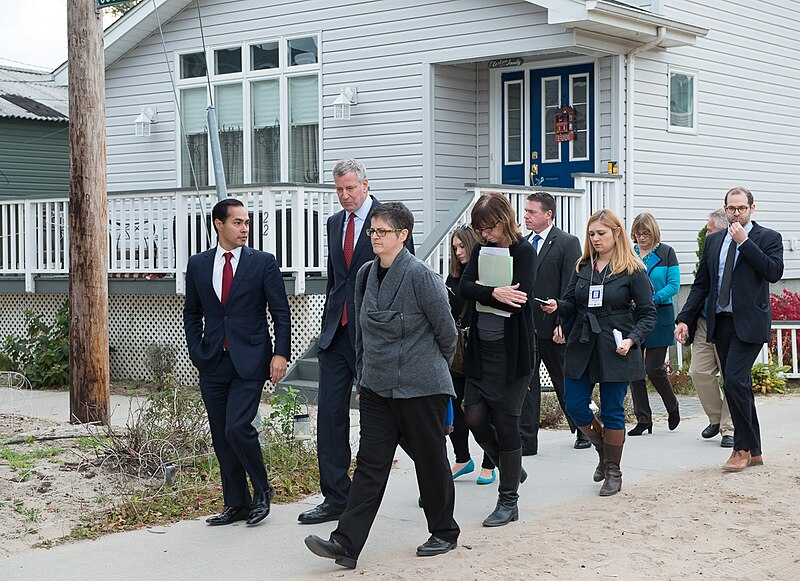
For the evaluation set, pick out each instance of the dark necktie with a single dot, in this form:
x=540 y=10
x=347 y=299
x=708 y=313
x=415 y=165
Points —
x=349 y=238
x=227 y=281
x=536 y=240
x=727 y=276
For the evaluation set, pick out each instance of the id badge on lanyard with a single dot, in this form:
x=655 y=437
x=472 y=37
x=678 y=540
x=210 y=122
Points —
x=595 y=295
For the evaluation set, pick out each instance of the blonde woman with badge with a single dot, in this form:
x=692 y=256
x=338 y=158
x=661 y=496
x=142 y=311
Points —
x=610 y=291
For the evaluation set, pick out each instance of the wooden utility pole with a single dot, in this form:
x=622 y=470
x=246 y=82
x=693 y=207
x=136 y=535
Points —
x=88 y=216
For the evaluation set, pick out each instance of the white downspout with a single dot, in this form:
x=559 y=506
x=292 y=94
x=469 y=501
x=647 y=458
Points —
x=630 y=69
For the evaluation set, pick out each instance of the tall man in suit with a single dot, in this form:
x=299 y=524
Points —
x=348 y=249
x=732 y=280
x=228 y=291
x=557 y=252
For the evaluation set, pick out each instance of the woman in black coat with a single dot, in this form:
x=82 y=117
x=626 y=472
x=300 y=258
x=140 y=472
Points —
x=502 y=349
x=462 y=242
x=609 y=292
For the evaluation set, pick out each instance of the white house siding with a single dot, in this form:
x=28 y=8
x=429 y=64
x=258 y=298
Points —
x=749 y=90
x=455 y=131
x=380 y=47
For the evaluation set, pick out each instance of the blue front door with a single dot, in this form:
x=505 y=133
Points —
x=543 y=155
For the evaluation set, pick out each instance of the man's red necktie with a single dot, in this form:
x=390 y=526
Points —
x=227 y=280
x=349 y=238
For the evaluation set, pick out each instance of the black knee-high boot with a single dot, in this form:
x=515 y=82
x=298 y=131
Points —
x=492 y=449
x=506 y=511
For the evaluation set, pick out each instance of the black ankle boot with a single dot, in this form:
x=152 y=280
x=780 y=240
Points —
x=506 y=511
x=674 y=418
x=641 y=428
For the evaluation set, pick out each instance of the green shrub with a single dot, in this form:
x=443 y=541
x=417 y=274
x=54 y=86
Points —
x=43 y=354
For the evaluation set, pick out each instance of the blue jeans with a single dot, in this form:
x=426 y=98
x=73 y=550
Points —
x=578 y=394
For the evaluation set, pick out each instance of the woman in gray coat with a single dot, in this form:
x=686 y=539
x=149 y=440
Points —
x=405 y=339
x=609 y=294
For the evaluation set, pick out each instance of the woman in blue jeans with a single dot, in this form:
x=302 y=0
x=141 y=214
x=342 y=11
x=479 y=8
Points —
x=609 y=292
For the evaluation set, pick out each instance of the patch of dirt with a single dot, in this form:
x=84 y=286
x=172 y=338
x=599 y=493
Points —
x=47 y=487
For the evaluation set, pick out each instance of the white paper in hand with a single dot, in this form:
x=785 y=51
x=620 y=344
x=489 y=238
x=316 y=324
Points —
x=617 y=337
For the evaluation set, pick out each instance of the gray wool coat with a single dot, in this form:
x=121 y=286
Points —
x=405 y=336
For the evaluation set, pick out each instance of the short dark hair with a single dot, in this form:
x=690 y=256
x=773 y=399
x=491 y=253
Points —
x=740 y=190
x=396 y=214
x=547 y=201
x=221 y=209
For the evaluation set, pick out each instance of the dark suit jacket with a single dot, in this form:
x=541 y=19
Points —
x=555 y=264
x=257 y=285
x=760 y=262
x=342 y=280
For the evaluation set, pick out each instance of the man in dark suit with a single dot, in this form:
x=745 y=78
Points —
x=348 y=249
x=228 y=291
x=557 y=252
x=732 y=280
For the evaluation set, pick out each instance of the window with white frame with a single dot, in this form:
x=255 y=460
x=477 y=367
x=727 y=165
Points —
x=266 y=96
x=579 y=99
x=551 y=99
x=682 y=100
x=512 y=122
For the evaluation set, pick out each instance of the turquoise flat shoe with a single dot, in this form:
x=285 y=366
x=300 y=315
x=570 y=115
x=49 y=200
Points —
x=468 y=467
x=487 y=480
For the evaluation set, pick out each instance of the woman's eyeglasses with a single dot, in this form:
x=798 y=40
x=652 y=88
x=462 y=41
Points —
x=485 y=229
x=381 y=232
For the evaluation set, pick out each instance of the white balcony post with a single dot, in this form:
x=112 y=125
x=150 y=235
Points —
x=299 y=237
x=30 y=246
x=181 y=242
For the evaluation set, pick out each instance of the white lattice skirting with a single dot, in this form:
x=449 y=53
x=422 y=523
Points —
x=136 y=321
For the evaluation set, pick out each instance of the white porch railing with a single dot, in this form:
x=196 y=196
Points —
x=573 y=208
x=782 y=329
x=153 y=234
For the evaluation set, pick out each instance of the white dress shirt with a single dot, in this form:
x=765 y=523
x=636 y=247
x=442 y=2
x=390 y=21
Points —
x=360 y=217
x=219 y=264
x=543 y=235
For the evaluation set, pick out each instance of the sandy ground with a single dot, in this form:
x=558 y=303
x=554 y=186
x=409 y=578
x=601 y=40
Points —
x=45 y=501
x=699 y=524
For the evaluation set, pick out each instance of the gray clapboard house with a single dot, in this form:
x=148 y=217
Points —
x=446 y=99
x=34 y=142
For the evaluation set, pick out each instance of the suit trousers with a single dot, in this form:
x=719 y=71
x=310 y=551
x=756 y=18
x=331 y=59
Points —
x=737 y=358
x=384 y=421
x=654 y=358
x=552 y=354
x=337 y=370
x=231 y=403
x=703 y=370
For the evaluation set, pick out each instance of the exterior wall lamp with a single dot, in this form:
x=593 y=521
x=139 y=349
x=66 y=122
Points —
x=348 y=96
x=141 y=125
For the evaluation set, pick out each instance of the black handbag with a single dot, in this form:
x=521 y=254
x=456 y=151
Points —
x=457 y=364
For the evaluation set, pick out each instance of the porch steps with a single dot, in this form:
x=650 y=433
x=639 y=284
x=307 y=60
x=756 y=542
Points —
x=303 y=375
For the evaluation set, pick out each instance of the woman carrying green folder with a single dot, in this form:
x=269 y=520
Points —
x=501 y=353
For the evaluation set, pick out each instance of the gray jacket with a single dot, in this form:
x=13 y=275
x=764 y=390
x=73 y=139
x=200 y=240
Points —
x=405 y=335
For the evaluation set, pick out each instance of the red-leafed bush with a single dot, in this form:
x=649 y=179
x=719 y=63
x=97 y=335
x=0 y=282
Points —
x=785 y=307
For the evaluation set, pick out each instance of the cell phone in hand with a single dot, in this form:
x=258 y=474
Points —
x=542 y=301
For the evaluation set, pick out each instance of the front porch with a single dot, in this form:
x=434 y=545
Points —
x=152 y=234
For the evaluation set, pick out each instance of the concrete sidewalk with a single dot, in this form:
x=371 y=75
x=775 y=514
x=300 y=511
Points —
x=275 y=549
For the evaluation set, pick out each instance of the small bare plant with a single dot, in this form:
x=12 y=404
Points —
x=160 y=358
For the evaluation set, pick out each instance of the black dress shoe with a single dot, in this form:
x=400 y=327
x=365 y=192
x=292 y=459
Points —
x=323 y=513
x=435 y=546
x=673 y=419
x=727 y=442
x=259 y=508
x=581 y=441
x=231 y=514
x=710 y=431
x=330 y=550
x=529 y=451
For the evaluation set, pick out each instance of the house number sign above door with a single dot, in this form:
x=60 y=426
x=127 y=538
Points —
x=565 y=120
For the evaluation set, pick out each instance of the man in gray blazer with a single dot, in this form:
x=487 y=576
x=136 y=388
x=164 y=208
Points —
x=557 y=252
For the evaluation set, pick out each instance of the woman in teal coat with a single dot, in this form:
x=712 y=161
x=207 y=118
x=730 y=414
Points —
x=665 y=275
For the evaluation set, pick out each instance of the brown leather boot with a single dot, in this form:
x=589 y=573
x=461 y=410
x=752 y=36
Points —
x=594 y=432
x=613 y=441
